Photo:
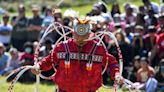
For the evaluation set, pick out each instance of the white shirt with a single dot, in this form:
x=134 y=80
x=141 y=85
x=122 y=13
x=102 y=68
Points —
x=5 y=28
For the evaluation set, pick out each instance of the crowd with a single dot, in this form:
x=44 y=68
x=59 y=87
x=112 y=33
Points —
x=139 y=31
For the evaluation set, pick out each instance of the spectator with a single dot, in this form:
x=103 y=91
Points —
x=57 y=15
x=48 y=18
x=100 y=10
x=27 y=58
x=136 y=67
x=130 y=16
x=137 y=42
x=151 y=19
x=19 y=33
x=160 y=45
x=115 y=9
x=140 y=20
x=43 y=10
x=145 y=72
x=157 y=53
x=160 y=76
x=4 y=58
x=5 y=30
x=129 y=33
x=160 y=24
x=125 y=49
x=145 y=77
x=46 y=48
x=118 y=23
x=13 y=63
x=35 y=23
x=56 y=12
x=150 y=38
x=151 y=6
x=66 y=22
x=103 y=7
x=96 y=10
x=142 y=10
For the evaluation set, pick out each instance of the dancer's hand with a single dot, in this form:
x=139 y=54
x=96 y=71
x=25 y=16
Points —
x=36 y=69
x=118 y=79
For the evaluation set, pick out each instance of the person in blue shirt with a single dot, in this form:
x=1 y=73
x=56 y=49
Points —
x=149 y=5
x=4 y=58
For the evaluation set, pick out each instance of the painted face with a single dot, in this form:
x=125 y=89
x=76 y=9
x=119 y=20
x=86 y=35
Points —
x=81 y=39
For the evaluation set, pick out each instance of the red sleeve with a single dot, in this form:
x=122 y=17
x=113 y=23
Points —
x=46 y=63
x=113 y=66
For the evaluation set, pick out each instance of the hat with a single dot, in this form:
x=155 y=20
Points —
x=13 y=50
x=151 y=28
x=35 y=7
x=139 y=27
x=127 y=26
x=21 y=8
x=117 y=24
x=137 y=57
x=162 y=61
x=56 y=10
x=144 y=59
x=161 y=15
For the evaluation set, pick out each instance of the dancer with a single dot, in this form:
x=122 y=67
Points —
x=79 y=61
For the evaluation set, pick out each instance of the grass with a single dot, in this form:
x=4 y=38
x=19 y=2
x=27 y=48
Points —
x=44 y=87
x=87 y=8
x=83 y=9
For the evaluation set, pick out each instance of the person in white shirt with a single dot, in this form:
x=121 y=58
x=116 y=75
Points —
x=5 y=30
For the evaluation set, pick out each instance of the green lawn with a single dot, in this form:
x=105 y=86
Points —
x=82 y=9
x=44 y=87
